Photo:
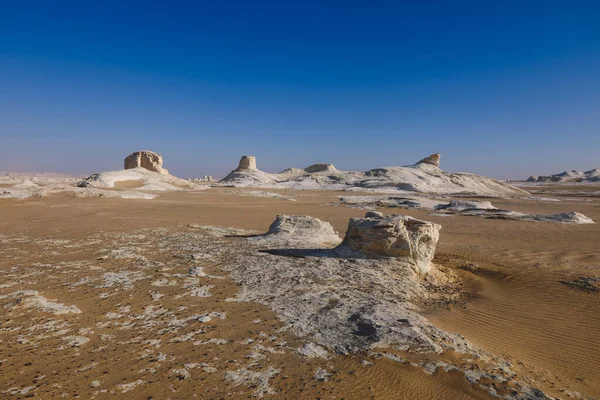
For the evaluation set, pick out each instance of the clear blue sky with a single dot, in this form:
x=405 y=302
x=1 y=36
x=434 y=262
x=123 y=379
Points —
x=502 y=88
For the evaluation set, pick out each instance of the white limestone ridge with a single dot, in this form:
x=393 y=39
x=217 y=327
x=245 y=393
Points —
x=591 y=176
x=423 y=177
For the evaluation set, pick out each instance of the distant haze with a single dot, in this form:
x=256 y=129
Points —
x=502 y=89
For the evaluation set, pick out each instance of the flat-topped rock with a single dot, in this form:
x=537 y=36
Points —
x=320 y=168
x=398 y=236
x=145 y=159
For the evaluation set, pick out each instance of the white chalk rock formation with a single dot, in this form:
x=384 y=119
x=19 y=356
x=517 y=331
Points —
x=423 y=177
x=591 y=176
x=433 y=159
x=572 y=217
x=141 y=177
x=247 y=162
x=32 y=299
x=248 y=175
x=398 y=236
x=462 y=205
x=145 y=159
x=301 y=230
x=320 y=168
x=143 y=171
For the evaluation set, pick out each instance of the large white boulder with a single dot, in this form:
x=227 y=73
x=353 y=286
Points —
x=301 y=231
x=398 y=236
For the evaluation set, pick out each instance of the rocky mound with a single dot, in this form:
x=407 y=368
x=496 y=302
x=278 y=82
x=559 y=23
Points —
x=422 y=177
x=364 y=304
x=142 y=178
x=375 y=236
x=145 y=159
x=320 y=168
x=397 y=236
x=143 y=171
x=301 y=230
x=591 y=176
x=462 y=205
x=35 y=188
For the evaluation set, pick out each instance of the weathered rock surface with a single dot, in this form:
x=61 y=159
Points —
x=32 y=299
x=398 y=236
x=433 y=159
x=301 y=230
x=591 y=176
x=320 y=168
x=422 y=177
x=141 y=178
x=463 y=205
x=145 y=159
x=247 y=162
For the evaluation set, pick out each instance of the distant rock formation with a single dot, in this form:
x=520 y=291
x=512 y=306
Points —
x=205 y=178
x=146 y=159
x=320 y=168
x=247 y=163
x=422 y=177
x=293 y=171
x=591 y=176
x=394 y=236
x=433 y=159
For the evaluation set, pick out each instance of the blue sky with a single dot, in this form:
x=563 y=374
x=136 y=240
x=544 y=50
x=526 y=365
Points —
x=506 y=89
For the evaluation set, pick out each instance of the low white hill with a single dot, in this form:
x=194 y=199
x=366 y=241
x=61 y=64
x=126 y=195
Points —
x=137 y=178
x=422 y=177
x=591 y=176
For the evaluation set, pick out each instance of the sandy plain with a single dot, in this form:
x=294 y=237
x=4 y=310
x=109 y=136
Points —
x=124 y=264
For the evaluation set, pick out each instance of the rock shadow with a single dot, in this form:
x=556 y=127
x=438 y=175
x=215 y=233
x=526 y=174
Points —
x=301 y=253
x=251 y=235
x=341 y=252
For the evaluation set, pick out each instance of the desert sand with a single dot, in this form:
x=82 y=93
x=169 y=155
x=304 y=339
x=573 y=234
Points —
x=137 y=284
x=125 y=268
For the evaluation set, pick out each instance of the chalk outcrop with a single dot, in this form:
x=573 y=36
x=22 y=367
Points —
x=301 y=230
x=422 y=177
x=247 y=163
x=32 y=299
x=145 y=159
x=398 y=236
x=465 y=205
x=591 y=176
x=320 y=168
x=143 y=171
x=433 y=159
